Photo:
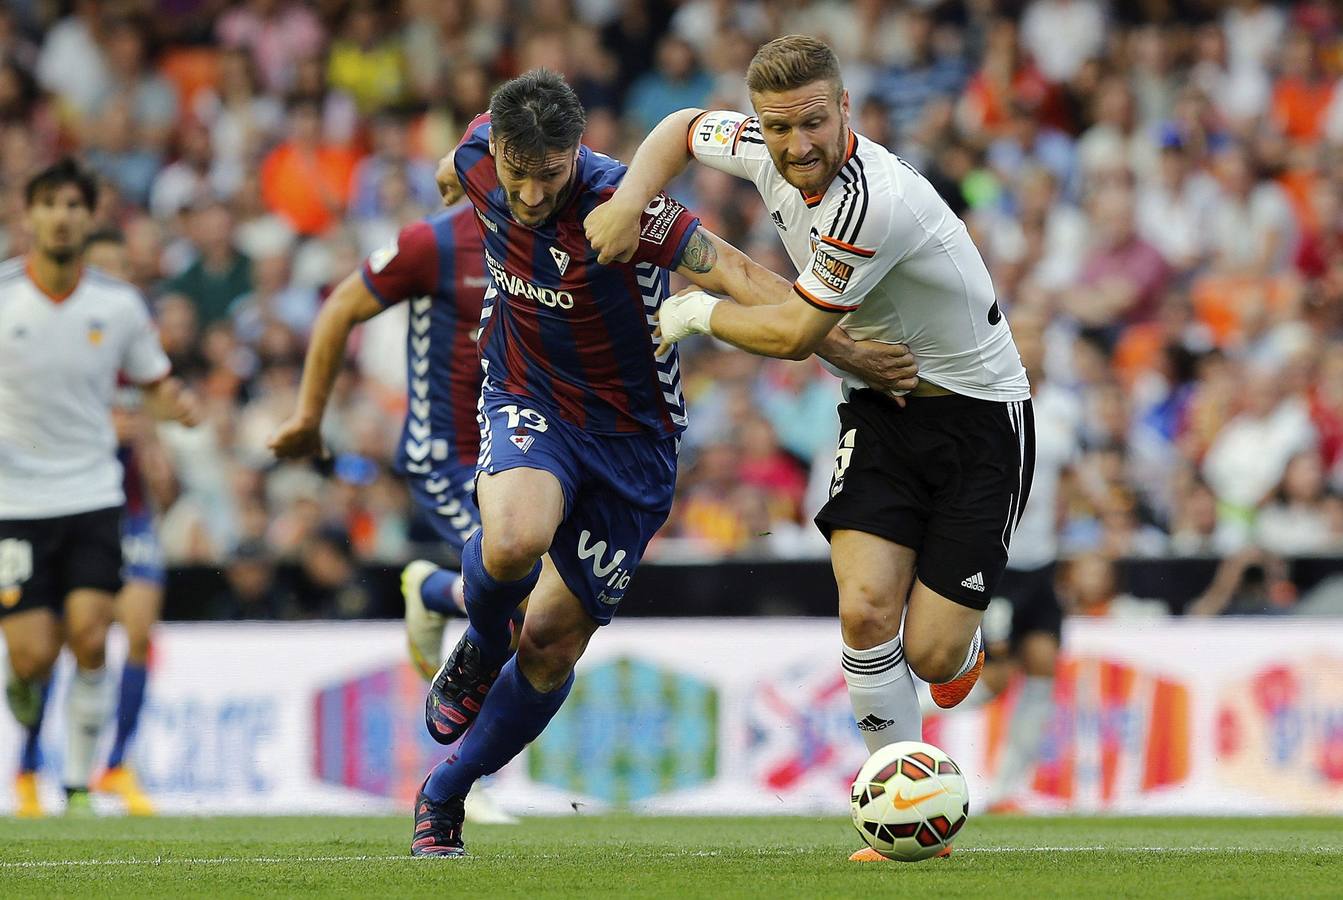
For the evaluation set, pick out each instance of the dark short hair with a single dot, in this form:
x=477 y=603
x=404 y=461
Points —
x=105 y=236
x=58 y=175
x=536 y=114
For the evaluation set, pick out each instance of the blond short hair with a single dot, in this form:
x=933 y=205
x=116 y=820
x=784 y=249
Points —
x=791 y=61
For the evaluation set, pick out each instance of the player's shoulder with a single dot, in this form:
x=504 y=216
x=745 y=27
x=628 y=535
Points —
x=876 y=195
x=12 y=271
x=113 y=295
x=598 y=173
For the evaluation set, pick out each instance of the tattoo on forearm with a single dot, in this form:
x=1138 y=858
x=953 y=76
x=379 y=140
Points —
x=699 y=255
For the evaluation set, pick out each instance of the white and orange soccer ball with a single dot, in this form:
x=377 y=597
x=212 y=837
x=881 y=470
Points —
x=909 y=801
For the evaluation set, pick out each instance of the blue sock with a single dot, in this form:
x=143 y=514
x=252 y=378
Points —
x=490 y=604
x=514 y=714
x=30 y=760
x=131 y=699
x=436 y=592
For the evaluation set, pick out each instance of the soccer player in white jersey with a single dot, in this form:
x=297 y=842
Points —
x=66 y=333
x=925 y=495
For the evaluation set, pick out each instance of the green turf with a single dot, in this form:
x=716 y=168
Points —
x=669 y=857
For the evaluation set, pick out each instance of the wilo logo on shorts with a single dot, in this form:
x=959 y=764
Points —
x=619 y=578
x=526 y=290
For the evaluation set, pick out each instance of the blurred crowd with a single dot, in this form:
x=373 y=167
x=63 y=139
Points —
x=1156 y=185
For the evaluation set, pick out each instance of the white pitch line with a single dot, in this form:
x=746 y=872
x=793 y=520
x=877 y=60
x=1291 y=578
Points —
x=269 y=860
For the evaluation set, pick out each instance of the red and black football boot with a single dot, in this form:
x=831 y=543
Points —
x=457 y=691
x=438 y=827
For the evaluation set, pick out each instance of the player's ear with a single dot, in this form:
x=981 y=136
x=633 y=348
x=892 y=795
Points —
x=493 y=152
x=844 y=102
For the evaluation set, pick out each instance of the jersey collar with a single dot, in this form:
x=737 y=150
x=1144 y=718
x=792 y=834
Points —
x=813 y=200
x=54 y=298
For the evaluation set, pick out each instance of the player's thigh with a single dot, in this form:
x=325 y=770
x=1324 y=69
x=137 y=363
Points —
x=32 y=641
x=520 y=509
x=938 y=631
x=88 y=615
x=873 y=576
x=555 y=633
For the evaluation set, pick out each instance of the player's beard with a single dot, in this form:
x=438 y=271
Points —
x=828 y=163
x=61 y=256
x=561 y=197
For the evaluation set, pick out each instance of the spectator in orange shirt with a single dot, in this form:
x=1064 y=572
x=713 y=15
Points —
x=1303 y=93
x=305 y=180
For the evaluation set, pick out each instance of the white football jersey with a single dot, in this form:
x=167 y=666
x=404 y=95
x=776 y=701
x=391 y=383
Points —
x=881 y=246
x=59 y=361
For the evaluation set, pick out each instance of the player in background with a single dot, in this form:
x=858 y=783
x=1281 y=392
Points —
x=1024 y=621
x=924 y=497
x=66 y=334
x=580 y=426
x=438 y=265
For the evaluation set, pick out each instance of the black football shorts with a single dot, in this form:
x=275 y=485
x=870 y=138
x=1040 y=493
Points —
x=945 y=476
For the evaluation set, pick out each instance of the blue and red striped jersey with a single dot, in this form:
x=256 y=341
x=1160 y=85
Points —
x=437 y=264
x=561 y=330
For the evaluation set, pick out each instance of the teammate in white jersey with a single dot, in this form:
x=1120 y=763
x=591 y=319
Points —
x=925 y=496
x=66 y=332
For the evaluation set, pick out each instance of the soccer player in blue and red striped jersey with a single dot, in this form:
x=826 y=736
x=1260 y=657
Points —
x=580 y=425
x=437 y=265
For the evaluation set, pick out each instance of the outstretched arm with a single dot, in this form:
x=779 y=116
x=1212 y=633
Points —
x=349 y=304
x=793 y=328
x=613 y=227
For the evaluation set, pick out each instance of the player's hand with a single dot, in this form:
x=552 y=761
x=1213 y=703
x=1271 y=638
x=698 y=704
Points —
x=187 y=410
x=446 y=176
x=890 y=368
x=682 y=314
x=613 y=230
x=169 y=400
x=296 y=438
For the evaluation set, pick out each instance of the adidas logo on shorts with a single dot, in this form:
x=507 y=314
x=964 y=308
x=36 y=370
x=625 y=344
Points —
x=975 y=582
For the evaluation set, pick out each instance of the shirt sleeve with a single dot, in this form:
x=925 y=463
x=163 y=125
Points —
x=861 y=239
x=143 y=361
x=728 y=141
x=405 y=268
x=471 y=159
x=665 y=227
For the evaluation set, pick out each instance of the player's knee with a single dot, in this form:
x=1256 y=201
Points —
x=867 y=617
x=34 y=660
x=88 y=644
x=547 y=656
x=511 y=553
x=935 y=662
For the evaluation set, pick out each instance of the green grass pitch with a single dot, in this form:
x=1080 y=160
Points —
x=619 y=856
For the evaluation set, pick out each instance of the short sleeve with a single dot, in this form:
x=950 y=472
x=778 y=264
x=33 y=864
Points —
x=861 y=237
x=728 y=141
x=665 y=227
x=405 y=268
x=143 y=361
x=472 y=160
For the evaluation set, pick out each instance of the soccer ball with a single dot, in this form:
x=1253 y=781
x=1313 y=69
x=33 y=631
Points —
x=909 y=801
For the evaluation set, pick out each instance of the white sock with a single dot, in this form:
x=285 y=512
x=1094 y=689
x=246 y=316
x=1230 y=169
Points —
x=87 y=708
x=1025 y=734
x=971 y=656
x=885 y=704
